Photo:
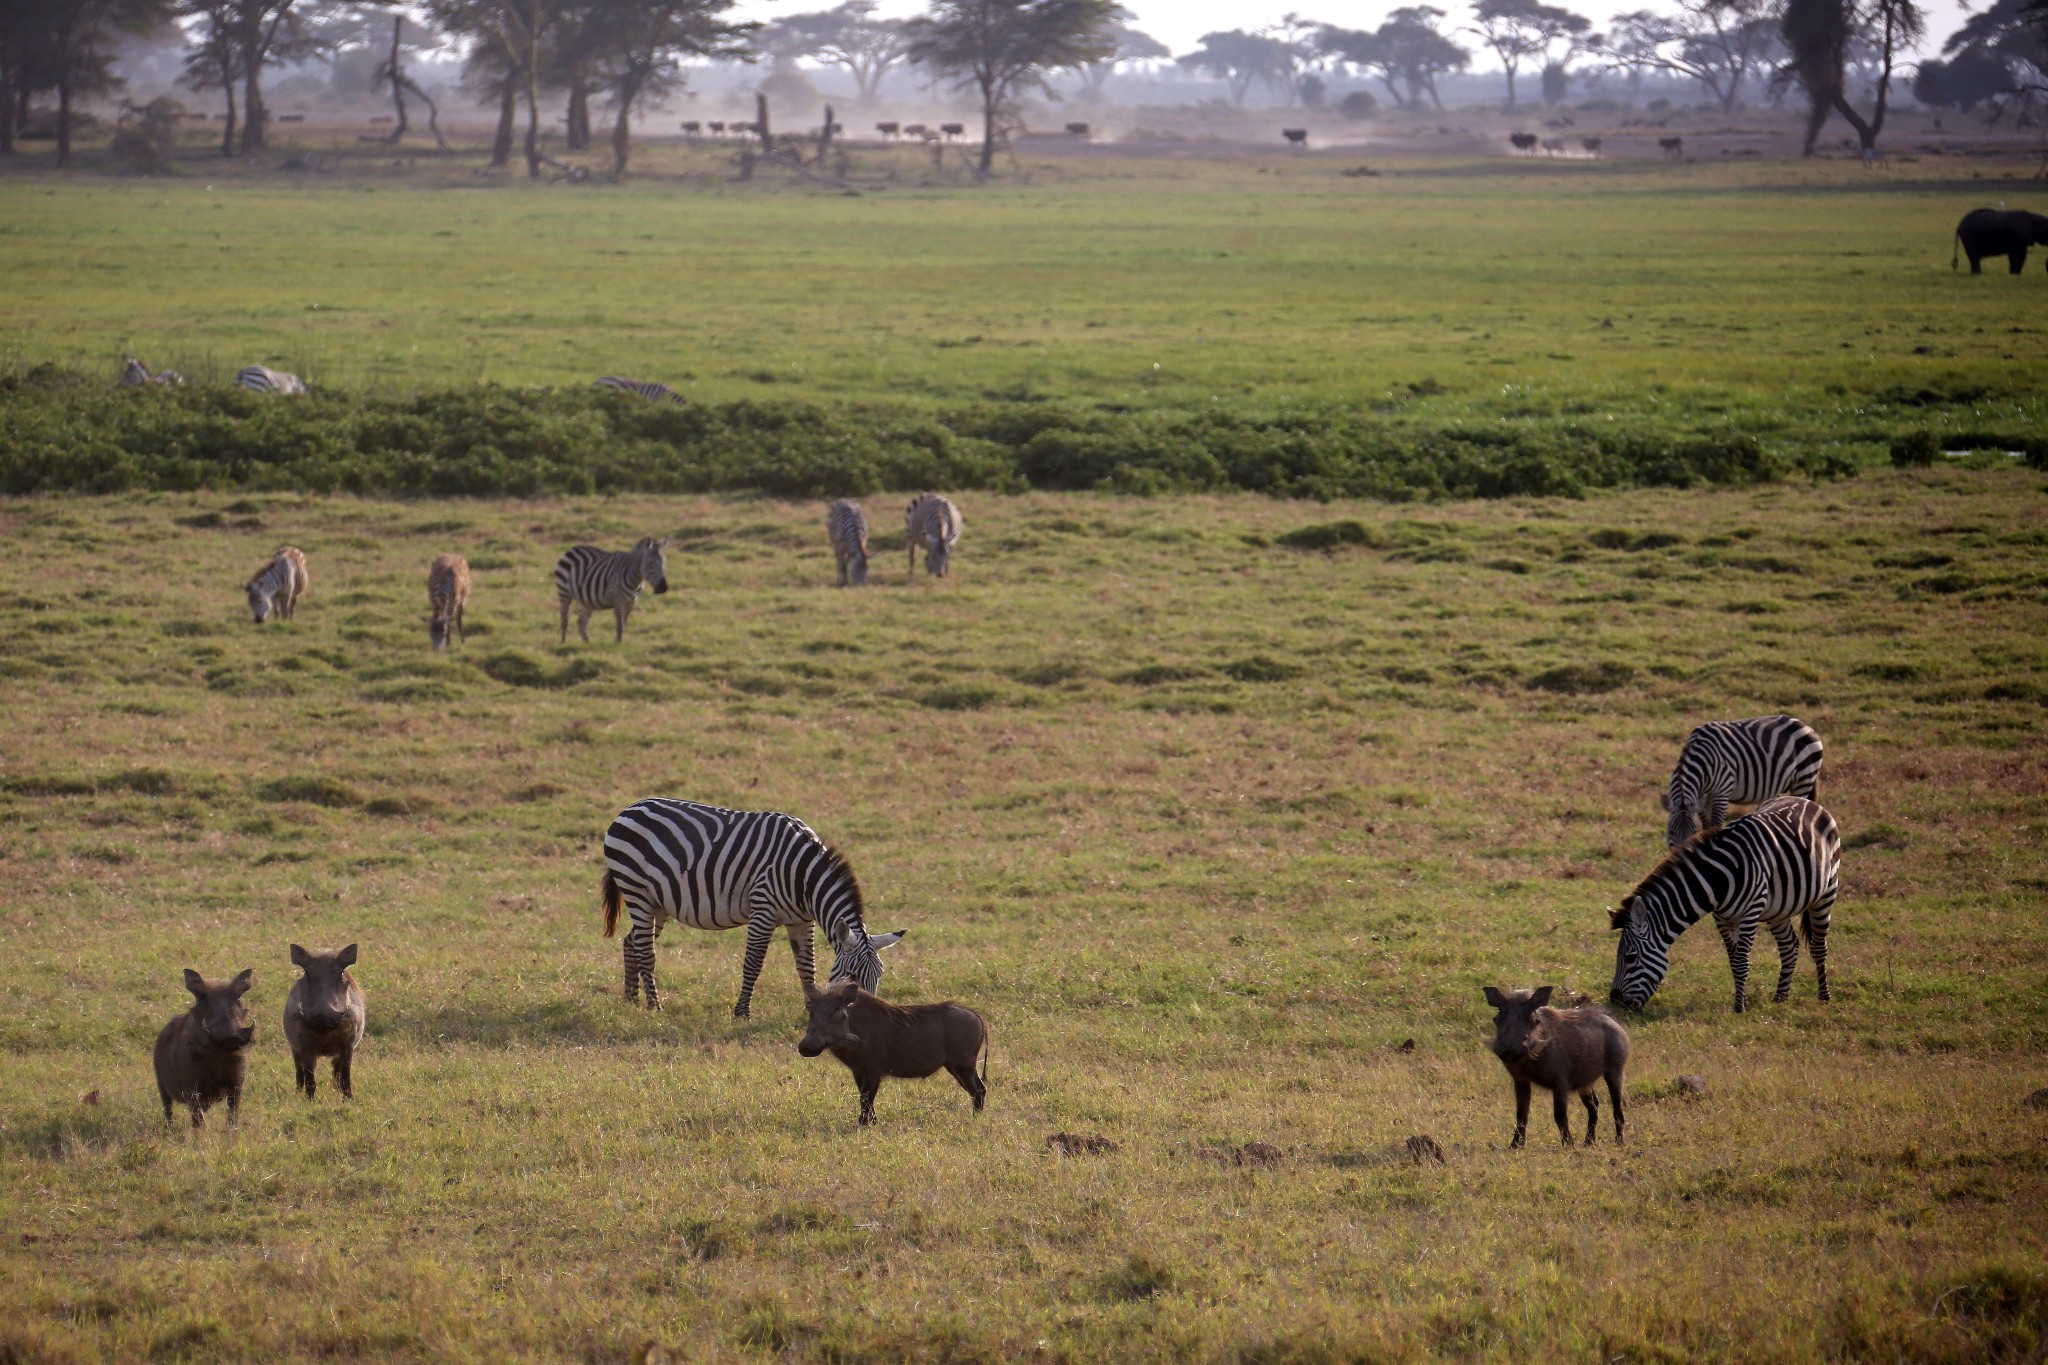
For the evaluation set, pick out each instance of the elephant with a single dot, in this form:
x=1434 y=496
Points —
x=1988 y=232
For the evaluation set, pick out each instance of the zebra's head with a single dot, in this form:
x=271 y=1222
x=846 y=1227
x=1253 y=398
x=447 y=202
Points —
x=857 y=958
x=136 y=373
x=938 y=554
x=259 y=600
x=857 y=570
x=654 y=563
x=1639 y=959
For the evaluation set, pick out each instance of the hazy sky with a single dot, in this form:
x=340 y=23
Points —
x=1179 y=23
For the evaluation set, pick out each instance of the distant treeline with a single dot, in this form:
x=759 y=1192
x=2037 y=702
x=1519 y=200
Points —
x=60 y=431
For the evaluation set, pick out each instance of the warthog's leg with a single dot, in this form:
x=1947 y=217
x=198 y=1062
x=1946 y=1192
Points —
x=342 y=1063
x=1561 y=1110
x=1592 y=1104
x=1521 y=1112
x=1614 y=1097
x=969 y=1082
x=305 y=1079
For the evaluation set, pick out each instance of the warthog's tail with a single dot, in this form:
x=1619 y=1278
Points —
x=984 y=1056
x=1957 y=251
x=612 y=900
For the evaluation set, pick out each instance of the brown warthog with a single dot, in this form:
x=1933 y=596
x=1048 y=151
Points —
x=323 y=1015
x=1567 y=1052
x=203 y=1054
x=876 y=1039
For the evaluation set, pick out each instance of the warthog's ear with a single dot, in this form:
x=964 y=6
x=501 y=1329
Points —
x=890 y=940
x=847 y=991
x=244 y=979
x=300 y=957
x=1540 y=997
x=346 y=957
x=1664 y=801
x=1495 y=998
x=194 y=982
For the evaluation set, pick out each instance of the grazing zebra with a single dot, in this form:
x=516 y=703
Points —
x=261 y=379
x=659 y=393
x=138 y=373
x=847 y=525
x=1744 y=761
x=447 y=595
x=719 y=869
x=278 y=585
x=1783 y=859
x=588 y=578
x=933 y=522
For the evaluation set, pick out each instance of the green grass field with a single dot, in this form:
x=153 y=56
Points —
x=1208 y=826
x=1769 y=297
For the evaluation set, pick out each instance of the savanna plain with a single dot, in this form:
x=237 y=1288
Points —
x=1221 y=808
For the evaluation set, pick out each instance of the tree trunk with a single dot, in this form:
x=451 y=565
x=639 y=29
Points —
x=988 y=131
x=629 y=90
x=578 y=137
x=1511 y=84
x=254 y=116
x=227 y=137
x=397 y=81
x=64 y=116
x=825 y=136
x=6 y=97
x=508 y=109
x=1816 y=116
x=761 y=122
x=533 y=112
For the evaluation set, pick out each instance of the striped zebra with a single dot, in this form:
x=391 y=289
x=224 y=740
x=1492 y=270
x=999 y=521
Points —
x=447 y=595
x=1744 y=761
x=719 y=869
x=847 y=525
x=1782 y=860
x=934 y=523
x=589 y=578
x=262 y=379
x=139 y=373
x=278 y=585
x=659 y=393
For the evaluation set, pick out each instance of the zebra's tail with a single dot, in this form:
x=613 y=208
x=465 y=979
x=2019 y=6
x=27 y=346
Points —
x=612 y=901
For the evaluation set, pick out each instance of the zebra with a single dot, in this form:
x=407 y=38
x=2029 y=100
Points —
x=933 y=522
x=1782 y=859
x=589 y=578
x=1745 y=761
x=261 y=379
x=712 y=868
x=139 y=373
x=278 y=585
x=657 y=393
x=847 y=525
x=447 y=595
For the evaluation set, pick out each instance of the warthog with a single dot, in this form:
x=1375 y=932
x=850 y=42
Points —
x=1567 y=1052
x=877 y=1039
x=323 y=1016
x=203 y=1054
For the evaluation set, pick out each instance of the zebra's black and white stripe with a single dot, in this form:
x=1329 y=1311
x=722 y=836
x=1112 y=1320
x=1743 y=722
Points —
x=1780 y=862
x=934 y=523
x=847 y=525
x=1743 y=761
x=139 y=373
x=447 y=596
x=659 y=393
x=278 y=585
x=588 y=578
x=719 y=869
x=263 y=379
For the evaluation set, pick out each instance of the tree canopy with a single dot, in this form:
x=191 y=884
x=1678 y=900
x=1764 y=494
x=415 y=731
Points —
x=1002 y=48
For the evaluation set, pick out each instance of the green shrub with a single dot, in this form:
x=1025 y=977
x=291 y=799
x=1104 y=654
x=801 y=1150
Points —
x=1583 y=679
x=314 y=791
x=1915 y=450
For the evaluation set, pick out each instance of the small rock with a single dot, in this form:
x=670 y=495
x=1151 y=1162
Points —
x=1423 y=1148
x=1692 y=1086
x=2039 y=1099
x=1259 y=1154
x=1406 y=1045
x=1073 y=1144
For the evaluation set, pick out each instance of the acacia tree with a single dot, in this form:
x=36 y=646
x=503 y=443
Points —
x=1719 y=43
x=69 y=47
x=1132 y=45
x=513 y=38
x=640 y=48
x=213 y=60
x=849 y=35
x=1002 y=48
x=1818 y=35
x=1408 y=48
x=1238 y=58
x=1520 y=29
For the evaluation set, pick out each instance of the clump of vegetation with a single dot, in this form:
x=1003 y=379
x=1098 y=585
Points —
x=313 y=790
x=1915 y=450
x=1583 y=679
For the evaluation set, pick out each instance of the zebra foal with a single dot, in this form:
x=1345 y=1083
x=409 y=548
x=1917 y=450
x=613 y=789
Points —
x=139 y=373
x=659 y=393
x=588 y=578
x=1782 y=860
x=712 y=868
x=447 y=595
x=933 y=522
x=277 y=586
x=1743 y=761
x=262 y=379
x=847 y=526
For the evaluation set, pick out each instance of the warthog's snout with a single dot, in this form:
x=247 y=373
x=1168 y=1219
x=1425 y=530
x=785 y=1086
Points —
x=324 y=1022
x=810 y=1049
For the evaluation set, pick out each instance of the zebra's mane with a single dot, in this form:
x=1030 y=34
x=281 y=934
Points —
x=1676 y=858
x=836 y=865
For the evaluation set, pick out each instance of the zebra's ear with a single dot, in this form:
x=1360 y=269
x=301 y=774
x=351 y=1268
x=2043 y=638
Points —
x=881 y=941
x=1664 y=801
x=1617 y=916
x=1495 y=998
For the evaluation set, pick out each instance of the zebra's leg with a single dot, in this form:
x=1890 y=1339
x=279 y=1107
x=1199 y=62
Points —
x=1744 y=937
x=759 y=930
x=583 y=622
x=1816 y=924
x=1521 y=1112
x=1614 y=1098
x=619 y=612
x=460 y=638
x=1592 y=1103
x=1788 y=958
x=565 y=621
x=639 y=958
x=1561 y=1110
x=801 y=948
